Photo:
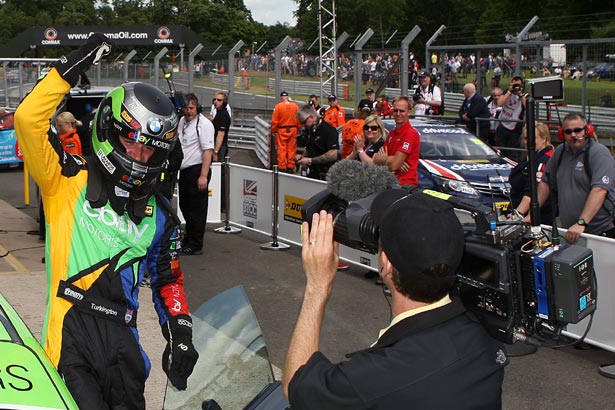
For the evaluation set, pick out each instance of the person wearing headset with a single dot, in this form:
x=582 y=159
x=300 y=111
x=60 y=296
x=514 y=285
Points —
x=585 y=194
x=106 y=225
x=196 y=134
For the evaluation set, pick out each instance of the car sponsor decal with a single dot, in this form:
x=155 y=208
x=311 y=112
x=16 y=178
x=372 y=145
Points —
x=436 y=169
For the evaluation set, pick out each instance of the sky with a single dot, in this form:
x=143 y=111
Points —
x=269 y=12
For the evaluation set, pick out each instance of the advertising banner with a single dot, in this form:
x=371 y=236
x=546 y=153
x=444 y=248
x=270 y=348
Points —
x=9 y=148
x=121 y=35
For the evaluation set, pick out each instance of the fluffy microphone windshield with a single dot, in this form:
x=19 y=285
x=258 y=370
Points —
x=352 y=180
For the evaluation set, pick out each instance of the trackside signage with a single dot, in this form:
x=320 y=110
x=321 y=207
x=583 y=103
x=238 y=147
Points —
x=121 y=35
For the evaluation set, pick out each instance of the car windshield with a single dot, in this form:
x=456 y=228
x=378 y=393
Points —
x=452 y=143
x=233 y=366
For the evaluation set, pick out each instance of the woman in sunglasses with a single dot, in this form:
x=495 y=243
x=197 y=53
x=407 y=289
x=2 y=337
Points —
x=371 y=141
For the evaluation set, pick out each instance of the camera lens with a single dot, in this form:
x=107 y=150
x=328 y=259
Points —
x=517 y=87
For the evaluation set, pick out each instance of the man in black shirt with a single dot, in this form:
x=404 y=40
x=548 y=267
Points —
x=433 y=355
x=222 y=123
x=321 y=143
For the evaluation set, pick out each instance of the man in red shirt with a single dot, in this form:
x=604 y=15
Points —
x=400 y=152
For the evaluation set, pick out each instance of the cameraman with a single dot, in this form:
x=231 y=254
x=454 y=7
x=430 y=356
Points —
x=508 y=133
x=428 y=97
x=433 y=355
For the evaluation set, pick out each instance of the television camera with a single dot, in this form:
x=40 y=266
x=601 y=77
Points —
x=521 y=284
x=178 y=98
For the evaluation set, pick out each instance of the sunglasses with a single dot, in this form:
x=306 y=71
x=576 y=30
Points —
x=569 y=131
x=398 y=110
x=218 y=99
x=373 y=128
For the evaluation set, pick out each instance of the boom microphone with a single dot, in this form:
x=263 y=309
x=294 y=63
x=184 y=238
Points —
x=352 y=180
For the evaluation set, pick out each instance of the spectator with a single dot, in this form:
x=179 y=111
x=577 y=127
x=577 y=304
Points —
x=284 y=127
x=85 y=129
x=370 y=99
x=196 y=134
x=321 y=144
x=606 y=99
x=494 y=112
x=371 y=140
x=66 y=124
x=474 y=106
x=383 y=108
x=222 y=125
x=432 y=342
x=107 y=226
x=585 y=194
x=354 y=127
x=402 y=146
x=508 y=133
x=577 y=75
x=428 y=97
x=335 y=115
x=520 y=179
x=213 y=110
x=314 y=101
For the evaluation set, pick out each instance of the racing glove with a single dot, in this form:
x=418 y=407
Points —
x=179 y=355
x=79 y=61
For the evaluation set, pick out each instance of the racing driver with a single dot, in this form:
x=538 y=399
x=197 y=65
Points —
x=106 y=225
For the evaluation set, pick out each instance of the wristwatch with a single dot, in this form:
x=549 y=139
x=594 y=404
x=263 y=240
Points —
x=581 y=222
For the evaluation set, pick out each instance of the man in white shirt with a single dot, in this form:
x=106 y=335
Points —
x=196 y=135
x=428 y=97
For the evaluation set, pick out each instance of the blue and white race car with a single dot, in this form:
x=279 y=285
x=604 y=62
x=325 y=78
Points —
x=455 y=161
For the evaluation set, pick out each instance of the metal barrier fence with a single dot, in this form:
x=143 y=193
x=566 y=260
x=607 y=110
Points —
x=586 y=65
x=252 y=199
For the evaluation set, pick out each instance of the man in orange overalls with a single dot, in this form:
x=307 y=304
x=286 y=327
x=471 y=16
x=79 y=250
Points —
x=335 y=115
x=284 y=126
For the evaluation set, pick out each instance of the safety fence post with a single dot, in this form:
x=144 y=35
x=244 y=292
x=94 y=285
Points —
x=227 y=228
x=274 y=245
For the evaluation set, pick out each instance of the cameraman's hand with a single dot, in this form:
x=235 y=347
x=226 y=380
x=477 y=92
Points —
x=319 y=253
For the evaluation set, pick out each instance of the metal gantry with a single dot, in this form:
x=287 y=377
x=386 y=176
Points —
x=327 y=35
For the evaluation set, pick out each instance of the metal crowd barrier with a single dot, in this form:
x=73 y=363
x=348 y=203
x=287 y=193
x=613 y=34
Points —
x=255 y=195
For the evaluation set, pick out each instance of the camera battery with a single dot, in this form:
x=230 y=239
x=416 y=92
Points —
x=565 y=283
x=574 y=283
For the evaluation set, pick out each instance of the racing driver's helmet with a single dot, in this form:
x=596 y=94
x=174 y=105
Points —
x=140 y=112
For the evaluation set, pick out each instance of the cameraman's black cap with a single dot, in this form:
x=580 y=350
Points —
x=418 y=231
x=423 y=74
x=369 y=90
x=283 y=94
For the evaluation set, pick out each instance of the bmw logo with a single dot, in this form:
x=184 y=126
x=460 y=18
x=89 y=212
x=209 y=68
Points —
x=154 y=126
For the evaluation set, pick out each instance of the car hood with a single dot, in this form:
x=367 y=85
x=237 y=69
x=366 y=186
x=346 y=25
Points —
x=482 y=171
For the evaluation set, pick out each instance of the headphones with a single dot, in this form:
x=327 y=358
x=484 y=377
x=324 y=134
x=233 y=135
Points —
x=193 y=97
x=588 y=128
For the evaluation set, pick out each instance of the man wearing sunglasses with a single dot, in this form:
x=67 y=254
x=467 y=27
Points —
x=584 y=195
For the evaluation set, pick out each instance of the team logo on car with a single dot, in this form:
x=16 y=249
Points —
x=154 y=126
